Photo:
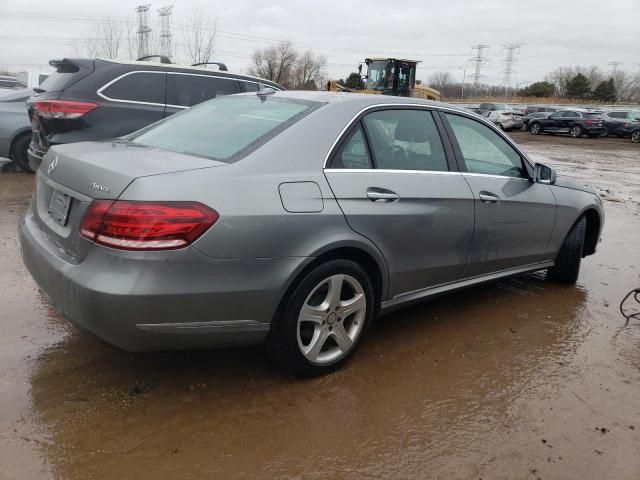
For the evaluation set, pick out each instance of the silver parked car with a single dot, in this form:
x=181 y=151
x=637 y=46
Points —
x=15 y=128
x=292 y=218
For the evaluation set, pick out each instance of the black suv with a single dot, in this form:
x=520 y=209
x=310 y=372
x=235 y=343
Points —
x=617 y=122
x=100 y=99
x=575 y=122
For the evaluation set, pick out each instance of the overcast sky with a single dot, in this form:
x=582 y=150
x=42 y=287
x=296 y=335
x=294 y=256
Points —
x=552 y=33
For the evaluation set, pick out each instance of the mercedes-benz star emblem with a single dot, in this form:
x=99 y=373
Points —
x=52 y=165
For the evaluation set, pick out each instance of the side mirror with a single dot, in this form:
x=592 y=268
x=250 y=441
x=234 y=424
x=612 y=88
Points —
x=544 y=174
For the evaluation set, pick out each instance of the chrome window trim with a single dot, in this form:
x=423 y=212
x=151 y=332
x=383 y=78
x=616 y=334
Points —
x=488 y=175
x=111 y=82
x=429 y=107
x=390 y=170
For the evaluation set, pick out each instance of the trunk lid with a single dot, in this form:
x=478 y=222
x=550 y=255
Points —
x=73 y=175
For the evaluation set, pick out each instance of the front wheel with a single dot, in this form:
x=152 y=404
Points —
x=569 y=257
x=324 y=319
x=635 y=136
x=576 y=131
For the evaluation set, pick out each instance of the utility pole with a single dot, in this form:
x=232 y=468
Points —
x=478 y=61
x=164 y=15
x=509 y=60
x=464 y=77
x=144 y=30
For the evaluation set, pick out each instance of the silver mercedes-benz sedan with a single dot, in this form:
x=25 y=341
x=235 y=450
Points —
x=293 y=219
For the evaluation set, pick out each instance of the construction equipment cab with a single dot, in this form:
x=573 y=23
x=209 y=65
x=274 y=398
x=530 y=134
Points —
x=390 y=76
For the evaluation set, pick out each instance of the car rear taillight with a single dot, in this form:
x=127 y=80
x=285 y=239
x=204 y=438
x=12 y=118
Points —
x=593 y=122
x=129 y=225
x=63 y=108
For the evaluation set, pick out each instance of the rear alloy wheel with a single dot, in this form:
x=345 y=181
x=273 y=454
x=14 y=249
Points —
x=324 y=319
x=567 y=265
x=635 y=136
x=576 y=131
x=535 y=129
x=19 y=152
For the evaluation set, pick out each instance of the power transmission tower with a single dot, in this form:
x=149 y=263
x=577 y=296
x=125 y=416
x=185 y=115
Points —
x=478 y=61
x=165 y=30
x=508 y=61
x=144 y=30
x=614 y=67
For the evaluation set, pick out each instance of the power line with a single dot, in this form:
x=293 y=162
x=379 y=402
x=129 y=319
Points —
x=478 y=61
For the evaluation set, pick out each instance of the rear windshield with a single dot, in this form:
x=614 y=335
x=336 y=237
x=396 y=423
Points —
x=594 y=115
x=224 y=128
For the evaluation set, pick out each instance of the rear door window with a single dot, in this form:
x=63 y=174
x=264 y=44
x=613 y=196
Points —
x=143 y=87
x=405 y=140
x=186 y=90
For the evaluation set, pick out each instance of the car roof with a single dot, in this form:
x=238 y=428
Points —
x=177 y=66
x=362 y=99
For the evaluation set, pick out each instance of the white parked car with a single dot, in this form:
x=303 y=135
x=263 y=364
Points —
x=506 y=119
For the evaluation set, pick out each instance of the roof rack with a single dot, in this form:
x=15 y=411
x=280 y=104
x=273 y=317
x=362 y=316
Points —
x=162 y=58
x=221 y=66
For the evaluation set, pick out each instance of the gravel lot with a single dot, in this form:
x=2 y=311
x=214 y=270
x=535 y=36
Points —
x=517 y=380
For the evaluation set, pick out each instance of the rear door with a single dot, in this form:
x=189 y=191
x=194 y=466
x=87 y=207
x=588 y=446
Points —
x=133 y=100
x=392 y=177
x=514 y=217
x=185 y=90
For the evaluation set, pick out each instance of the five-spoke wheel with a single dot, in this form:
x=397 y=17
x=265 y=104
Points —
x=323 y=319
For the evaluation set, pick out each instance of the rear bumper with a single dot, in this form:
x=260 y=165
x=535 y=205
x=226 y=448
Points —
x=160 y=300
x=35 y=159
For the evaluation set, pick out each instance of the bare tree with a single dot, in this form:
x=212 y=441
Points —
x=199 y=37
x=104 y=40
x=441 y=81
x=308 y=71
x=275 y=63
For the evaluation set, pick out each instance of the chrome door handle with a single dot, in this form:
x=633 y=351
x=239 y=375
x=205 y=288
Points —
x=381 y=195
x=489 y=197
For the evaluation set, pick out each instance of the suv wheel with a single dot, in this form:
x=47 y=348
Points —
x=535 y=129
x=635 y=136
x=567 y=265
x=19 y=152
x=324 y=319
x=576 y=131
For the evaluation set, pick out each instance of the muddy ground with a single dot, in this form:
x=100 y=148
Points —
x=522 y=379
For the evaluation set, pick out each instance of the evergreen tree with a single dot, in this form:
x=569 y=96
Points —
x=354 y=81
x=578 y=87
x=605 y=91
x=538 y=89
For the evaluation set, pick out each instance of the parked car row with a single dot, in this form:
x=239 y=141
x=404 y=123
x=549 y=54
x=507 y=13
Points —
x=578 y=122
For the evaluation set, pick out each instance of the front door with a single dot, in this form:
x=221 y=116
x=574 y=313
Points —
x=514 y=216
x=392 y=180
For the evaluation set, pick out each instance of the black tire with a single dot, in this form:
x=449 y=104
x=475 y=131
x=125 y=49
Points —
x=282 y=342
x=567 y=267
x=635 y=136
x=19 y=152
x=576 y=131
x=535 y=128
